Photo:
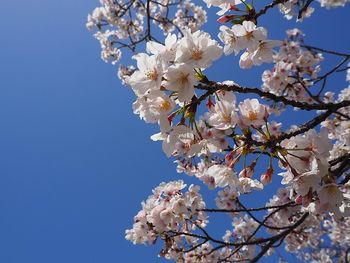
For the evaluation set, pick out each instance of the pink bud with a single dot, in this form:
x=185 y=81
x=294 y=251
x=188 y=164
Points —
x=209 y=103
x=266 y=115
x=171 y=117
x=225 y=18
x=307 y=199
x=229 y=157
x=247 y=172
x=299 y=200
x=266 y=178
x=234 y=161
x=233 y=8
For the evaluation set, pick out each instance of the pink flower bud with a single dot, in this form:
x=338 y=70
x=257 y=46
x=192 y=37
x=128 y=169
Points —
x=248 y=171
x=229 y=157
x=307 y=199
x=209 y=103
x=171 y=117
x=266 y=115
x=234 y=8
x=225 y=18
x=266 y=178
x=299 y=200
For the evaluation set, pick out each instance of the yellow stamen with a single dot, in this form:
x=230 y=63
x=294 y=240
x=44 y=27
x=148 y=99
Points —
x=197 y=54
x=152 y=75
x=252 y=115
x=165 y=105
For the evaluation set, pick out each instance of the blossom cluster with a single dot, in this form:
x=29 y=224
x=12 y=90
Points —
x=124 y=24
x=168 y=209
x=251 y=38
x=308 y=173
x=310 y=241
x=289 y=8
x=294 y=69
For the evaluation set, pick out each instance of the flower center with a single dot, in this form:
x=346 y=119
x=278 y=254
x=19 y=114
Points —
x=252 y=115
x=232 y=40
x=152 y=75
x=227 y=174
x=183 y=78
x=226 y=118
x=165 y=105
x=197 y=54
x=249 y=35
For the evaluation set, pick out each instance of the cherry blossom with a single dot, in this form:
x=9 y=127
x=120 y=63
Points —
x=252 y=113
x=223 y=115
x=180 y=78
x=249 y=34
x=149 y=74
x=223 y=176
x=153 y=106
x=197 y=49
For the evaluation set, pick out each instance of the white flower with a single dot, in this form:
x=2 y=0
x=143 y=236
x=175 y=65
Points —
x=287 y=9
x=245 y=60
x=304 y=147
x=252 y=112
x=108 y=52
x=222 y=2
x=247 y=184
x=149 y=74
x=332 y=3
x=180 y=78
x=223 y=175
x=264 y=52
x=167 y=51
x=178 y=141
x=223 y=116
x=331 y=195
x=231 y=41
x=308 y=180
x=166 y=216
x=250 y=34
x=153 y=106
x=197 y=49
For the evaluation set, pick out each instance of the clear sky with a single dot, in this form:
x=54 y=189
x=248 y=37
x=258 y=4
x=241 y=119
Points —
x=75 y=162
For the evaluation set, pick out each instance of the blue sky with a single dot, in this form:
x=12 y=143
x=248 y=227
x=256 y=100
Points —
x=75 y=162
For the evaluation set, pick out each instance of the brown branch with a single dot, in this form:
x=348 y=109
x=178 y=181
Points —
x=214 y=86
x=325 y=51
x=278 y=237
x=148 y=20
x=244 y=243
x=346 y=179
x=345 y=59
x=339 y=159
x=304 y=8
x=248 y=209
x=278 y=208
x=258 y=221
x=306 y=126
x=267 y=7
